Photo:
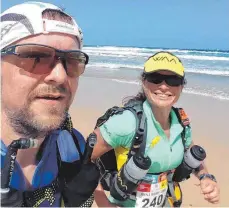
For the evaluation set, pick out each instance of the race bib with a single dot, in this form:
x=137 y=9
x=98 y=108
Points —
x=152 y=191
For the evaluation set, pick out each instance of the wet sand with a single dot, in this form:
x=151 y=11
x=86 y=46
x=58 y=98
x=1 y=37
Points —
x=209 y=117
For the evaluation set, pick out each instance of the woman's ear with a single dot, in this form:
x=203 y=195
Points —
x=144 y=84
x=145 y=88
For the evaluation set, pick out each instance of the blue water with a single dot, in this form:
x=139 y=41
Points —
x=207 y=72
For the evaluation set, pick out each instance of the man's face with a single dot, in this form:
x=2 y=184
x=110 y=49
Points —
x=37 y=103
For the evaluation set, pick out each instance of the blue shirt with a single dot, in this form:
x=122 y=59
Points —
x=47 y=169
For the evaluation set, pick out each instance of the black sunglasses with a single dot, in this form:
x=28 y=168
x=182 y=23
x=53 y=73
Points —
x=171 y=80
x=40 y=59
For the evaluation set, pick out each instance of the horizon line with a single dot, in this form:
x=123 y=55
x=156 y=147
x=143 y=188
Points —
x=148 y=47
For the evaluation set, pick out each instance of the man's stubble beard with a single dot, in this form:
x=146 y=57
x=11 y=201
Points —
x=25 y=123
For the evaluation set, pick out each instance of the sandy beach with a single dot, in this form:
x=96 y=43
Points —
x=209 y=117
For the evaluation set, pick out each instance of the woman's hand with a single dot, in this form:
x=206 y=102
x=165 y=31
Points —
x=101 y=198
x=210 y=190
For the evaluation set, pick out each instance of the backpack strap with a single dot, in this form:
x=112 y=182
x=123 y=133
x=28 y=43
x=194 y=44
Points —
x=184 y=121
x=110 y=112
x=174 y=194
x=139 y=141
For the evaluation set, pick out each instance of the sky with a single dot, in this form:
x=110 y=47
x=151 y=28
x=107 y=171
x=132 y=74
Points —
x=183 y=24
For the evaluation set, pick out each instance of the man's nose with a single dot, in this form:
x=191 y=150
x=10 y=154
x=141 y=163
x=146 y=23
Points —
x=58 y=73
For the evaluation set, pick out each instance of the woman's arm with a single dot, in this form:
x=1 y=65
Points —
x=101 y=146
x=209 y=186
x=119 y=130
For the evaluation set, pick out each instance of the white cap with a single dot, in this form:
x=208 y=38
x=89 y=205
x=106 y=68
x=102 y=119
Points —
x=24 y=20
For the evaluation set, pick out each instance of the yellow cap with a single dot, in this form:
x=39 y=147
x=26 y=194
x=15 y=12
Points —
x=164 y=61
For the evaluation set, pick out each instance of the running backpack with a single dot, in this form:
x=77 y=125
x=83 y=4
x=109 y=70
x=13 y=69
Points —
x=108 y=163
x=75 y=182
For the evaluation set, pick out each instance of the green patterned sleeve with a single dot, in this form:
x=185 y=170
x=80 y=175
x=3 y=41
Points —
x=119 y=130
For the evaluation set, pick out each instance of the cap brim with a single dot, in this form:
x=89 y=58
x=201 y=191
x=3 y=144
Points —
x=157 y=70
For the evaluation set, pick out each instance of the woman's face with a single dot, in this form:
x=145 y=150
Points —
x=161 y=95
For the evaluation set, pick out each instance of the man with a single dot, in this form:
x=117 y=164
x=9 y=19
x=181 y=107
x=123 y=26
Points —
x=41 y=64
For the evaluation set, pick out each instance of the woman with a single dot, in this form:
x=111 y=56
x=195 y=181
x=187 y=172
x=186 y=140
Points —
x=163 y=80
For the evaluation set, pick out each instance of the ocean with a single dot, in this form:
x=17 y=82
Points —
x=207 y=72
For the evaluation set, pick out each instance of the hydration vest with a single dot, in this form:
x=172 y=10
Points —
x=75 y=182
x=112 y=161
x=66 y=172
